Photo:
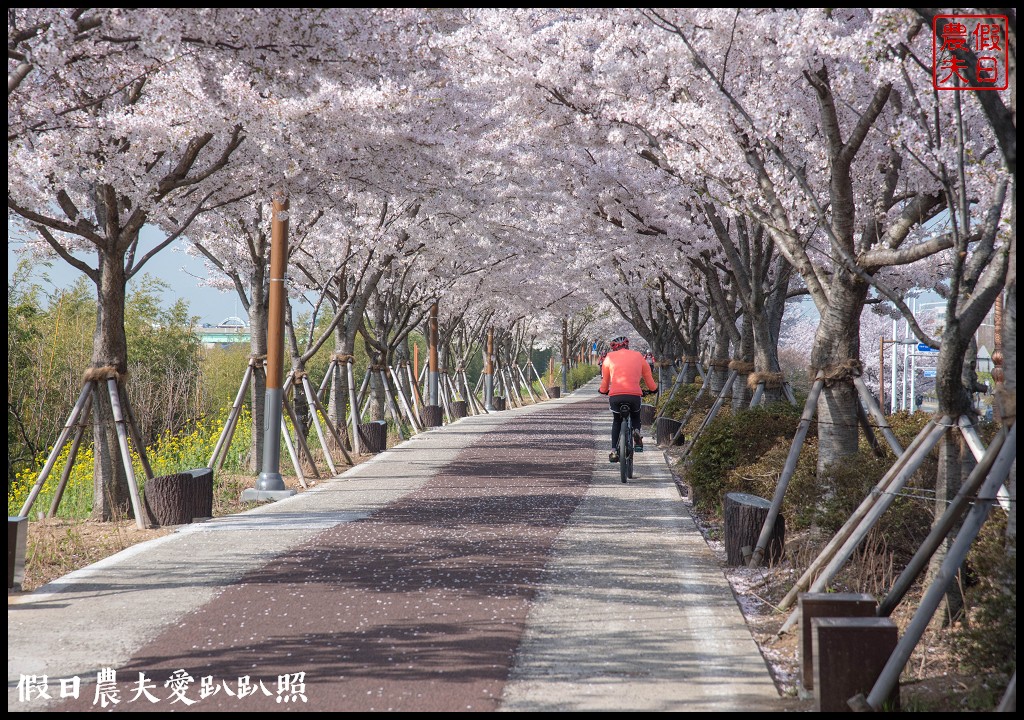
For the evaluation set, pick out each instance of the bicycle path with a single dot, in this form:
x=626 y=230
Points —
x=493 y=564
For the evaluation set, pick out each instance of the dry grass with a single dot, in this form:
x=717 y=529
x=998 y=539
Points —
x=58 y=546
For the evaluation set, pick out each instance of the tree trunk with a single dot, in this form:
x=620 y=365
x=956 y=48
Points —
x=374 y=436
x=741 y=393
x=744 y=516
x=838 y=341
x=258 y=314
x=433 y=416
x=1009 y=348
x=719 y=371
x=109 y=350
x=181 y=498
x=947 y=485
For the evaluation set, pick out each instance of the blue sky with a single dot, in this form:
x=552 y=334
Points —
x=183 y=273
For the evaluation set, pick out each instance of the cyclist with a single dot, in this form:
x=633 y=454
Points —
x=621 y=373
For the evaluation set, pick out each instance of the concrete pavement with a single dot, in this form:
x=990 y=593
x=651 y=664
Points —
x=496 y=563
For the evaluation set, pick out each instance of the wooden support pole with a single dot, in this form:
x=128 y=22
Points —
x=675 y=388
x=869 y=431
x=432 y=383
x=136 y=437
x=977 y=448
x=364 y=394
x=536 y=374
x=527 y=384
x=353 y=406
x=416 y=427
x=689 y=412
x=392 y=407
x=414 y=391
x=787 y=390
x=62 y=439
x=845 y=541
x=442 y=393
x=710 y=417
x=947 y=573
x=300 y=440
x=291 y=452
x=875 y=506
x=565 y=355
x=471 y=396
x=878 y=416
x=126 y=457
x=224 y=441
x=318 y=406
x=956 y=509
x=72 y=454
x=703 y=374
x=810 y=407
x=758 y=395
x=314 y=407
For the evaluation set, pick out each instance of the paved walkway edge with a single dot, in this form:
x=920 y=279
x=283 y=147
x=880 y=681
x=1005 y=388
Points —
x=635 y=613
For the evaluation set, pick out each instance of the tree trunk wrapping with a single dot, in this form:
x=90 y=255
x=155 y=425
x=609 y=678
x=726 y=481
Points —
x=744 y=516
x=374 y=436
x=181 y=498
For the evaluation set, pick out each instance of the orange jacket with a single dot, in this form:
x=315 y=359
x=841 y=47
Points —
x=621 y=372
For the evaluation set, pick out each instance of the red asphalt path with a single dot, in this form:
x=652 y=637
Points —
x=419 y=607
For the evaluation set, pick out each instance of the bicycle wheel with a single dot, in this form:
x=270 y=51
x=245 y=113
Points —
x=625 y=461
x=629 y=444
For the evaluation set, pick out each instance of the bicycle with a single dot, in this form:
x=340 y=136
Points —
x=626 y=444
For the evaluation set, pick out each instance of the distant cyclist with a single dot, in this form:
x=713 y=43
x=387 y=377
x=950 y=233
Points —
x=621 y=373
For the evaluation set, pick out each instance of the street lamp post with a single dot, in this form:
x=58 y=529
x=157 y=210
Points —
x=270 y=485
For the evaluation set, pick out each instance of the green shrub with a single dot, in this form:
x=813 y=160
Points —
x=734 y=440
x=580 y=375
x=680 y=404
x=987 y=643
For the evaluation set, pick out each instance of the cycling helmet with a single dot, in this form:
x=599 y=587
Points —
x=619 y=343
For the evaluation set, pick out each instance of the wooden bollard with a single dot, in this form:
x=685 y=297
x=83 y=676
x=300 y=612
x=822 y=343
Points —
x=459 y=409
x=826 y=605
x=498 y=403
x=181 y=498
x=744 y=517
x=554 y=392
x=666 y=430
x=849 y=654
x=433 y=416
x=647 y=414
x=374 y=436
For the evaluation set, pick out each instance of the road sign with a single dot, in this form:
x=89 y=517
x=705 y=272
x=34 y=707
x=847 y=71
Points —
x=921 y=347
x=929 y=372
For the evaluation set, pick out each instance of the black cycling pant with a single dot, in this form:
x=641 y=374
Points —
x=634 y=413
